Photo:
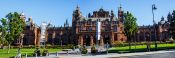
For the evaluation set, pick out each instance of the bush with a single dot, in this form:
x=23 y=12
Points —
x=118 y=43
x=84 y=50
x=29 y=46
x=37 y=51
x=93 y=50
x=69 y=46
x=171 y=41
x=45 y=52
x=49 y=45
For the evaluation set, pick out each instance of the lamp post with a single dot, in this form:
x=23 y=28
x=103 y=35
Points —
x=155 y=39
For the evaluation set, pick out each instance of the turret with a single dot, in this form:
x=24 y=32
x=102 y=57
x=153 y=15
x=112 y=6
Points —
x=120 y=15
x=162 y=21
x=112 y=15
x=89 y=15
x=22 y=16
x=76 y=14
x=66 y=24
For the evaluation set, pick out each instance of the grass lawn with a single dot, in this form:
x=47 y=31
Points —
x=140 y=48
x=13 y=52
x=7 y=55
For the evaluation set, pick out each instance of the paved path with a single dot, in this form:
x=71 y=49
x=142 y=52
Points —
x=154 y=54
x=115 y=55
x=159 y=55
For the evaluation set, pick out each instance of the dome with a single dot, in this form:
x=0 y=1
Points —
x=162 y=20
x=28 y=23
x=22 y=14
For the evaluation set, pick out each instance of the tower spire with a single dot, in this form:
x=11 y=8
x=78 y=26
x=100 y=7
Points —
x=66 y=21
x=120 y=7
x=77 y=8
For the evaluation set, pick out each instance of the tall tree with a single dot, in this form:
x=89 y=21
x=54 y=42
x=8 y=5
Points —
x=14 y=26
x=130 y=27
x=3 y=30
x=171 y=19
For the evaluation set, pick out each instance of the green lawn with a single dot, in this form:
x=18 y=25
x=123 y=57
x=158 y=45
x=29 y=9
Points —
x=7 y=55
x=140 y=48
x=13 y=52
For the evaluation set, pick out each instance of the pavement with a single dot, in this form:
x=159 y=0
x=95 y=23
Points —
x=109 y=55
x=116 y=55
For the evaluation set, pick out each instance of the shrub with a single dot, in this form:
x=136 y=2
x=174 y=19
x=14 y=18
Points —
x=70 y=46
x=93 y=50
x=84 y=50
x=45 y=52
x=171 y=40
x=49 y=45
x=37 y=51
x=118 y=43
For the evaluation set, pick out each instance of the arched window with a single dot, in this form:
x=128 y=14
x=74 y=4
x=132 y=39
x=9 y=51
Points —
x=115 y=29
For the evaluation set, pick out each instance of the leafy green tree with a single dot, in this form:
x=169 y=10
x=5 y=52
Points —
x=14 y=27
x=3 y=33
x=130 y=27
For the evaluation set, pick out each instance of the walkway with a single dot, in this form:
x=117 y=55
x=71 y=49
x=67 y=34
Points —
x=110 y=55
x=115 y=55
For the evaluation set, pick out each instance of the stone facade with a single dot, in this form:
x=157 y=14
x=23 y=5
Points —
x=83 y=30
x=157 y=32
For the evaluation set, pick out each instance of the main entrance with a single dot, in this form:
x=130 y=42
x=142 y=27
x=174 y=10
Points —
x=87 y=40
x=90 y=39
x=106 y=39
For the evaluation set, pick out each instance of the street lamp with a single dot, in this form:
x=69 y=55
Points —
x=154 y=23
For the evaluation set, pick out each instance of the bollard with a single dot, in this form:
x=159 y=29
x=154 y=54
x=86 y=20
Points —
x=107 y=48
x=47 y=54
x=36 y=55
x=26 y=55
x=56 y=53
x=20 y=55
x=67 y=52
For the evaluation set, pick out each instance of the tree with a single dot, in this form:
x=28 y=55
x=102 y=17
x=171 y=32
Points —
x=130 y=27
x=3 y=33
x=14 y=27
x=171 y=19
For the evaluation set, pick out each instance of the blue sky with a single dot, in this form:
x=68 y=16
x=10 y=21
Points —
x=57 y=11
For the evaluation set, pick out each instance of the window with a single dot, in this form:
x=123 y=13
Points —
x=121 y=28
x=107 y=28
x=115 y=29
x=89 y=28
x=88 y=22
x=115 y=22
x=80 y=28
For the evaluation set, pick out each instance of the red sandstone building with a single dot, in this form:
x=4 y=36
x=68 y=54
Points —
x=83 y=30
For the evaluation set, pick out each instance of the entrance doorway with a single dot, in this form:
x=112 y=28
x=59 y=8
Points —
x=87 y=40
x=106 y=39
